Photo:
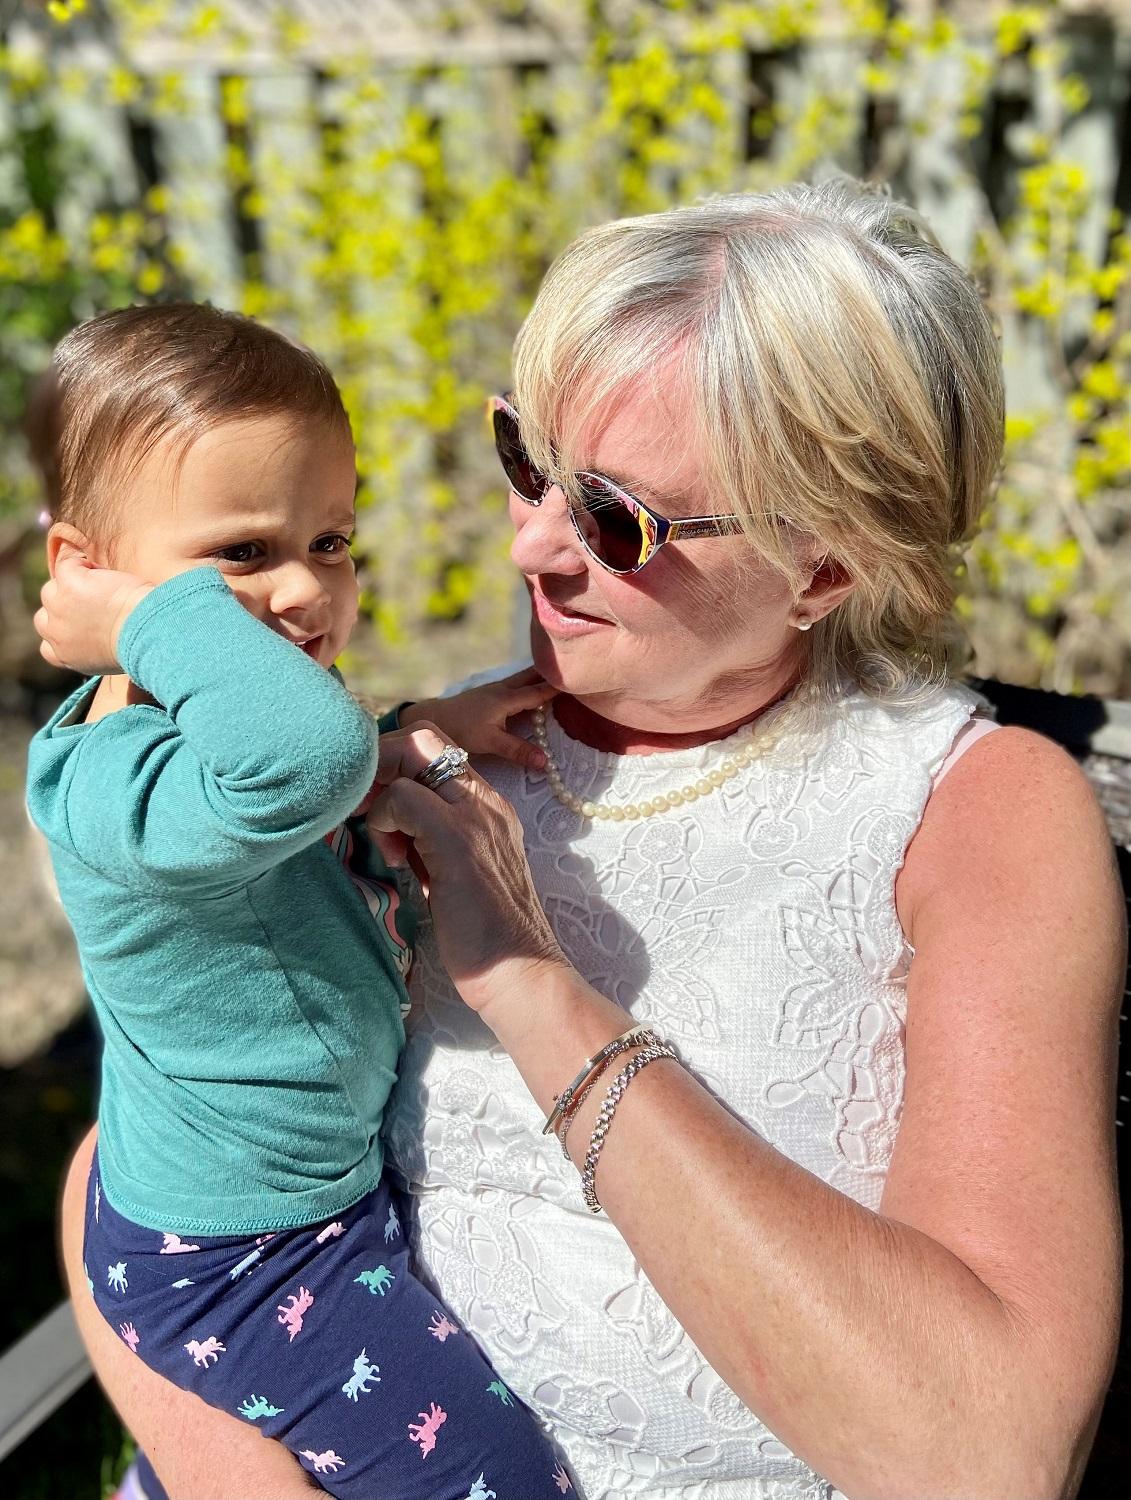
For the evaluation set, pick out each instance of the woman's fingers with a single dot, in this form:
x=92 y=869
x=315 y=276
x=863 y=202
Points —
x=525 y=677
x=405 y=752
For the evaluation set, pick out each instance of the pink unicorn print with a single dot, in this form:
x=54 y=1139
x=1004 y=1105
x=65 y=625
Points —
x=324 y=1463
x=424 y=1432
x=441 y=1326
x=174 y=1245
x=561 y=1479
x=211 y=1349
x=291 y=1317
x=331 y=1232
x=129 y=1335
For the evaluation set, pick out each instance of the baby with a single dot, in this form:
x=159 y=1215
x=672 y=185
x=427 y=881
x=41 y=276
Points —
x=248 y=981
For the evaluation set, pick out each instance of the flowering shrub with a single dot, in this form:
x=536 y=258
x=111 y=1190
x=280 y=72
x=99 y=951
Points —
x=397 y=214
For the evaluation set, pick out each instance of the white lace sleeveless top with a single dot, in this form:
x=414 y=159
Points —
x=756 y=928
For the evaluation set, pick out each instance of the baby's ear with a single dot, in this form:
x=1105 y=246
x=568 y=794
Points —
x=65 y=540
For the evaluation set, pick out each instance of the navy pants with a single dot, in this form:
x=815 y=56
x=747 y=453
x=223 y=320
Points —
x=324 y=1339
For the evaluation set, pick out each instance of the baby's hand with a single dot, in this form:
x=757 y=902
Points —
x=477 y=719
x=83 y=609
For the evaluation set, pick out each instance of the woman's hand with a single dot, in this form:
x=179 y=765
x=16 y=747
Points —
x=83 y=610
x=466 y=846
x=477 y=719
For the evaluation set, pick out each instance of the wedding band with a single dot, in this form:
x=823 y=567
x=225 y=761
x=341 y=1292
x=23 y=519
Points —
x=450 y=763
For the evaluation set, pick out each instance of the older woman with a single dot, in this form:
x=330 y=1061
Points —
x=859 y=1232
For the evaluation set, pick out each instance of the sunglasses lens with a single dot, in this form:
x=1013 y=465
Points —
x=611 y=529
x=526 y=481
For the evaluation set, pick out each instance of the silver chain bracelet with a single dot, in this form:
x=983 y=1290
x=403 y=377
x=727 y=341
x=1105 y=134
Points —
x=605 y=1117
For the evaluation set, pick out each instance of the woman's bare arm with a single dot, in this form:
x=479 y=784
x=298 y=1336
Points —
x=957 y=1343
x=199 y=1453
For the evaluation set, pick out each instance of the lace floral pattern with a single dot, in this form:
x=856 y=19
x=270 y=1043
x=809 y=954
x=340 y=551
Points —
x=757 y=929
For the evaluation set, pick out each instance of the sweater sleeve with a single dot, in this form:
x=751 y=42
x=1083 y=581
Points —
x=254 y=753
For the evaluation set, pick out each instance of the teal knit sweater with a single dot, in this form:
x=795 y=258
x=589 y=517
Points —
x=249 y=1003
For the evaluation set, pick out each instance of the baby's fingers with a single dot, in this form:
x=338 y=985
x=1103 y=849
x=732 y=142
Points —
x=512 y=748
x=518 y=700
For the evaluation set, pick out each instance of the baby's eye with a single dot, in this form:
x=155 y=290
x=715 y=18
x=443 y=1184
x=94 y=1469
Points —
x=334 y=541
x=239 y=552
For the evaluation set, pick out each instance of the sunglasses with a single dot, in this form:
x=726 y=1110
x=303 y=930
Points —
x=616 y=529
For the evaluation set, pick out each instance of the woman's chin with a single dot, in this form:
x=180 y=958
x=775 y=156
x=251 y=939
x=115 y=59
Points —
x=576 y=665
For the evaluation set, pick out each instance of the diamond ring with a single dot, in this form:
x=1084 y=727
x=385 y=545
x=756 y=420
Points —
x=450 y=763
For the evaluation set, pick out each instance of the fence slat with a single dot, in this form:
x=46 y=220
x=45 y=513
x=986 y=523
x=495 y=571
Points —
x=38 y=1374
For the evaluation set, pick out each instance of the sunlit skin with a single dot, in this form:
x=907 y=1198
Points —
x=691 y=647
x=269 y=503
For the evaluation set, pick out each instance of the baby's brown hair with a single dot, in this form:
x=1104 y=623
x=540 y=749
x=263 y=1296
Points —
x=127 y=380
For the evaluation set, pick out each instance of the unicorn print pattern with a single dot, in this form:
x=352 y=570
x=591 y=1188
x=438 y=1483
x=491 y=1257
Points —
x=424 y=1432
x=256 y=1407
x=210 y=1349
x=323 y=1463
x=291 y=1317
x=363 y=1372
x=441 y=1326
x=229 y=1340
x=377 y=1281
x=174 y=1245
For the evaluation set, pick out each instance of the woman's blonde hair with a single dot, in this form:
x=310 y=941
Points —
x=844 y=378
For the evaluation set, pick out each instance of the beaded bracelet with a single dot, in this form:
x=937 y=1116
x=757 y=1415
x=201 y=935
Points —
x=605 y=1118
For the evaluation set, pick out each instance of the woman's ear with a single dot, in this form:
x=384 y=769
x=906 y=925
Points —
x=829 y=584
x=65 y=540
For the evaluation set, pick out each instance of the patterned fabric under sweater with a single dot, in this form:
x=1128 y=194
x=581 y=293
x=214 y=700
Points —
x=756 y=928
x=324 y=1339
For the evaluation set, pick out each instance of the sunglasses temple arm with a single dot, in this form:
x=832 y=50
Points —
x=703 y=526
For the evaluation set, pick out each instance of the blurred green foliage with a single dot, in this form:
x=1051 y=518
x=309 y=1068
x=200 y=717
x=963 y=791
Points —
x=397 y=216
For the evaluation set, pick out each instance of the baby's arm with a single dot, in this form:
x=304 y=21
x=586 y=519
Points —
x=254 y=753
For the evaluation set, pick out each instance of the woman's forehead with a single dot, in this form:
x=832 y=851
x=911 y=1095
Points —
x=645 y=438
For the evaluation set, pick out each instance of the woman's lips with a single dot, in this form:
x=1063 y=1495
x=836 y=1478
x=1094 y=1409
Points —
x=559 y=619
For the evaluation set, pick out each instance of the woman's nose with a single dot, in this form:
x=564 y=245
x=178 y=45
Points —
x=544 y=538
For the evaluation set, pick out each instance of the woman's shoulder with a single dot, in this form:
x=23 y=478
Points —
x=1014 y=812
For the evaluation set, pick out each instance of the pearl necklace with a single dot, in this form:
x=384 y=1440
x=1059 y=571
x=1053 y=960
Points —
x=620 y=812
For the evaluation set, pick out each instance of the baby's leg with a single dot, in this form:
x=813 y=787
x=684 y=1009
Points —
x=199 y=1452
x=323 y=1339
